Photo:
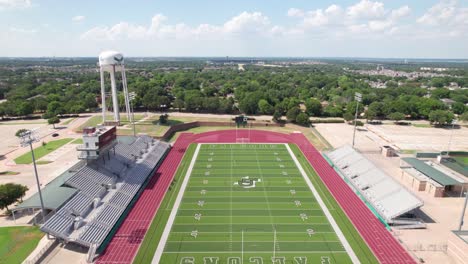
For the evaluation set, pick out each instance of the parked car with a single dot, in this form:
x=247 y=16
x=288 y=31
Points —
x=55 y=135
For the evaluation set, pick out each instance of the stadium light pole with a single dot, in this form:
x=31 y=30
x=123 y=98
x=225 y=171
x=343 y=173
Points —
x=454 y=122
x=358 y=98
x=463 y=212
x=28 y=138
x=132 y=96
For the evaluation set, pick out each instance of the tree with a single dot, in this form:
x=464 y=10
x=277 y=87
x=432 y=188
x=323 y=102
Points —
x=441 y=117
x=11 y=193
x=464 y=117
x=20 y=131
x=264 y=107
x=333 y=111
x=54 y=108
x=396 y=116
x=179 y=104
x=53 y=120
x=249 y=104
x=458 y=108
x=313 y=107
x=163 y=118
x=24 y=109
x=302 y=119
x=348 y=116
x=277 y=116
x=374 y=110
x=292 y=113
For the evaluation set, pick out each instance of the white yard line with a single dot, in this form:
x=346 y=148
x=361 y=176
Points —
x=335 y=226
x=254 y=252
x=253 y=241
x=172 y=216
x=253 y=232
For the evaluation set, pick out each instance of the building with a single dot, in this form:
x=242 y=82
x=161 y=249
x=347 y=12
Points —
x=435 y=179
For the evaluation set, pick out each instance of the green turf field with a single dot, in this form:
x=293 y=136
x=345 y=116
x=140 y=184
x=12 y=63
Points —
x=249 y=203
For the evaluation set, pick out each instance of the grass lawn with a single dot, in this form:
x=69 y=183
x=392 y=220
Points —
x=408 y=151
x=422 y=125
x=462 y=160
x=16 y=243
x=68 y=121
x=77 y=141
x=43 y=162
x=97 y=119
x=41 y=151
x=9 y=173
x=149 y=127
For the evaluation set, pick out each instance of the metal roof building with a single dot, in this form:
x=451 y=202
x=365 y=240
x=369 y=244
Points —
x=431 y=172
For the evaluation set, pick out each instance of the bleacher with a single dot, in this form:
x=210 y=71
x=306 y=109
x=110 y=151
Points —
x=390 y=199
x=106 y=186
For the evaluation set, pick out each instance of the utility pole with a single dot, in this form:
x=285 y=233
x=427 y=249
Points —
x=28 y=138
x=358 y=98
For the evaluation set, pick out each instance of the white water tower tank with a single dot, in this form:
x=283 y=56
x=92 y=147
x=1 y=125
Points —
x=112 y=62
x=110 y=57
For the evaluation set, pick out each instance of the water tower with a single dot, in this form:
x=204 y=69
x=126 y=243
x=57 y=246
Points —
x=112 y=61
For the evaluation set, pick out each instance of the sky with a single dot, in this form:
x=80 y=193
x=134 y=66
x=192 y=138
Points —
x=248 y=28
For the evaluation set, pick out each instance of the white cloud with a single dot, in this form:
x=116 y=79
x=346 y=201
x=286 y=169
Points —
x=78 y=18
x=14 y=4
x=244 y=23
x=401 y=12
x=327 y=27
x=294 y=12
x=334 y=10
x=444 y=19
x=445 y=13
x=247 y=22
x=22 y=30
x=366 y=9
x=315 y=18
x=364 y=16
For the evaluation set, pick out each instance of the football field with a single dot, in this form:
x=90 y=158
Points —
x=250 y=203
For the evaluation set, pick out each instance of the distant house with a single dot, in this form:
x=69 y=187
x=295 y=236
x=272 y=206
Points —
x=447 y=101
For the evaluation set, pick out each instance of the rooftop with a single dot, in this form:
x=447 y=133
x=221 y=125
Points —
x=431 y=172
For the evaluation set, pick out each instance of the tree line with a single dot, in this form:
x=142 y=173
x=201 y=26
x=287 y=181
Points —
x=296 y=92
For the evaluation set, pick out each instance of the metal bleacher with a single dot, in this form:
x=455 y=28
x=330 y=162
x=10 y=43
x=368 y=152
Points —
x=390 y=199
x=106 y=187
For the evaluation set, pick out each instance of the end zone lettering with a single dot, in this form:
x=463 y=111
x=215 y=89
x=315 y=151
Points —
x=252 y=260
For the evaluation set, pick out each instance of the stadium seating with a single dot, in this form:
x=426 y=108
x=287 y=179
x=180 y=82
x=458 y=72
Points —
x=106 y=188
x=387 y=196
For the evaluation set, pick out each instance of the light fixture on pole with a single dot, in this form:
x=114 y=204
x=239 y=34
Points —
x=131 y=97
x=463 y=212
x=358 y=98
x=27 y=139
x=454 y=122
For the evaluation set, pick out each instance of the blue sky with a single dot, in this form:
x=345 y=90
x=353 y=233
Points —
x=350 y=28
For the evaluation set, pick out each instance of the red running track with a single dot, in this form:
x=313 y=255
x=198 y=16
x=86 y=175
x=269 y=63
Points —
x=124 y=245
